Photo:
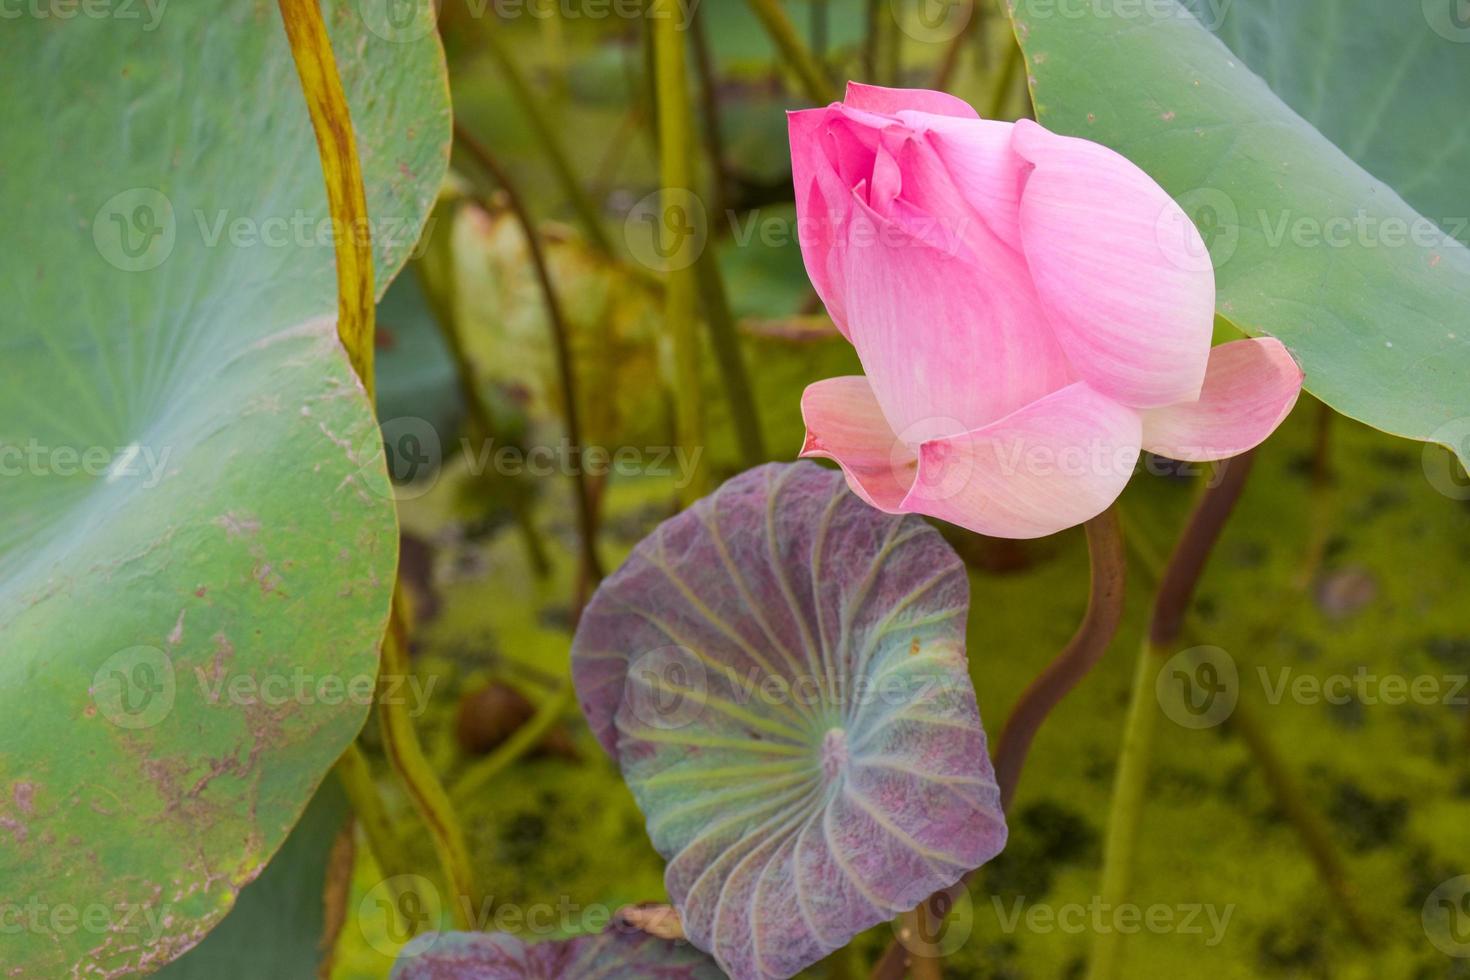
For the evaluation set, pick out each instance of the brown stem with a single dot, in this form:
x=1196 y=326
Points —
x=1109 y=567
x=561 y=336
x=1187 y=563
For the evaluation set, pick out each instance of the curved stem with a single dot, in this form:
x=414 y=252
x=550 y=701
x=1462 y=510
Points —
x=311 y=49
x=356 y=776
x=1171 y=605
x=406 y=754
x=1109 y=567
x=326 y=103
x=561 y=337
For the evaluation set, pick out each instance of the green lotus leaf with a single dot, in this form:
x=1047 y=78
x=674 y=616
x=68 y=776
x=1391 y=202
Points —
x=199 y=540
x=1302 y=174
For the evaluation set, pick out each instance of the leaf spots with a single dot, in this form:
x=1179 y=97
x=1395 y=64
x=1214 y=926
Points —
x=237 y=525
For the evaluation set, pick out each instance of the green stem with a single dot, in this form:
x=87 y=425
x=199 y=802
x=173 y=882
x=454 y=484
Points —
x=1006 y=79
x=321 y=84
x=479 y=775
x=406 y=754
x=482 y=420
x=539 y=119
x=1176 y=591
x=725 y=341
x=709 y=110
x=818 y=87
x=949 y=62
x=357 y=781
x=676 y=178
x=561 y=339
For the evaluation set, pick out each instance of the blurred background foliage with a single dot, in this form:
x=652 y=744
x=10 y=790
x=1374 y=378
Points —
x=1342 y=555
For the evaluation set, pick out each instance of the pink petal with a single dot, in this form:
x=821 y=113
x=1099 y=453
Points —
x=1250 y=387
x=950 y=341
x=1125 y=291
x=845 y=424
x=822 y=206
x=889 y=101
x=985 y=170
x=1053 y=464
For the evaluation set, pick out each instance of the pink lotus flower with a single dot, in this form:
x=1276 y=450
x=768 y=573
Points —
x=1031 y=310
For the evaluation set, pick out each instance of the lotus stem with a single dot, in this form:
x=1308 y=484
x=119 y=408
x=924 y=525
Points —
x=944 y=72
x=1109 y=570
x=709 y=110
x=561 y=338
x=482 y=419
x=401 y=742
x=814 y=81
x=539 y=118
x=1000 y=93
x=724 y=335
x=356 y=776
x=311 y=49
x=676 y=178
x=326 y=103
x=1171 y=604
x=1289 y=796
x=725 y=341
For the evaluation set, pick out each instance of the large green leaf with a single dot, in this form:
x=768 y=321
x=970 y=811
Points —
x=280 y=926
x=1307 y=245
x=199 y=538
